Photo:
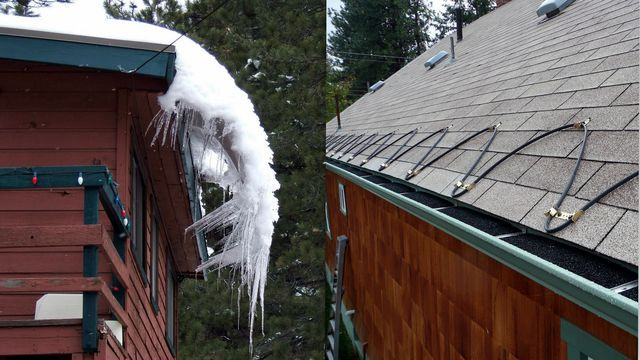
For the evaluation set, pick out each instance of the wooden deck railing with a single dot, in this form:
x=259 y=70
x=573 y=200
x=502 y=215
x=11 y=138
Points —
x=98 y=187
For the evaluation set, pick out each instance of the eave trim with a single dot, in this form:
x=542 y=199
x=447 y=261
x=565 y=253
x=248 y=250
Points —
x=613 y=307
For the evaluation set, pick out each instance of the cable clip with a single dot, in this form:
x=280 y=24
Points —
x=580 y=124
x=384 y=165
x=468 y=187
x=496 y=126
x=411 y=172
x=574 y=216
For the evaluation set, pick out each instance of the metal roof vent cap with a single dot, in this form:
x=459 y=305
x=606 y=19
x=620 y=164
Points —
x=436 y=59
x=552 y=8
x=376 y=86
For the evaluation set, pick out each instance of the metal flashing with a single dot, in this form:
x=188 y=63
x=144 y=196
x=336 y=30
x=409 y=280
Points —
x=597 y=299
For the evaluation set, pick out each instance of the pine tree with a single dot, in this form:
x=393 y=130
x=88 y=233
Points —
x=23 y=7
x=392 y=32
x=471 y=10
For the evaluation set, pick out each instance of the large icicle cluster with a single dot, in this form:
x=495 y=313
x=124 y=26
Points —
x=231 y=149
x=229 y=146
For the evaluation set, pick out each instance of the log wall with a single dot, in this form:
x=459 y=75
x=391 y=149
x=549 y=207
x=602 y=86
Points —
x=420 y=293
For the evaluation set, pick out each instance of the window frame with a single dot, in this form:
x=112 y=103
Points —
x=170 y=305
x=342 y=198
x=138 y=246
x=154 y=262
x=581 y=345
x=328 y=222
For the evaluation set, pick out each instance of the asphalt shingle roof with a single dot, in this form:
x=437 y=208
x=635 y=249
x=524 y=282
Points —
x=532 y=75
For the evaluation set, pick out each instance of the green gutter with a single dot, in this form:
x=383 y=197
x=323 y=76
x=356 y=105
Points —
x=86 y=55
x=346 y=319
x=613 y=307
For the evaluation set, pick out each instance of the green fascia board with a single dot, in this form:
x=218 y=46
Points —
x=583 y=342
x=85 y=55
x=613 y=307
x=346 y=319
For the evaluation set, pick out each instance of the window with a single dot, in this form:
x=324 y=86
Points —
x=138 y=195
x=343 y=201
x=171 y=308
x=326 y=215
x=154 y=264
x=583 y=346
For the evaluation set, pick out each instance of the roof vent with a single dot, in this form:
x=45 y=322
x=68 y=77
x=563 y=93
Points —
x=376 y=86
x=552 y=8
x=435 y=59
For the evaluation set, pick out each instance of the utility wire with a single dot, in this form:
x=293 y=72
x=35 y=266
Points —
x=224 y=2
x=373 y=55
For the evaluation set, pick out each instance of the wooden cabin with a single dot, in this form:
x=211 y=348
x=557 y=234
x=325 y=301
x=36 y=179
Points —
x=440 y=181
x=92 y=217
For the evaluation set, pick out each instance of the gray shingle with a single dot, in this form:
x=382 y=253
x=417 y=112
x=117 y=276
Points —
x=573 y=59
x=511 y=93
x=578 y=69
x=510 y=169
x=510 y=201
x=463 y=162
x=509 y=106
x=608 y=118
x=614 y=49
x=485 y=98
x=513 y=121
x=633 y=125
x=588 y=231
x=446 y=159
x=619 y=61
x=559 y=144
x=543 y=88
x=625 y=196
x=547 y=120
x=553 y=173
x=481 y=122
x=583 y=82
x=622 y=241
x=629 y=96
x=505 y=141
x=595 y=97
x=541 y=76
x=483 y=109
x=623 y=76
x=437 y=180
x=621 y=146
x=547 y=102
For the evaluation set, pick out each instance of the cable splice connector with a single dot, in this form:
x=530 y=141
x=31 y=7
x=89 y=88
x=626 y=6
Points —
x=574 y=216
x=580 y=124
x=467 y=186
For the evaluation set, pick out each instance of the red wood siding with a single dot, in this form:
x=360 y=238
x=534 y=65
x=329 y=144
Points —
x=56 y=116
x=422 y=294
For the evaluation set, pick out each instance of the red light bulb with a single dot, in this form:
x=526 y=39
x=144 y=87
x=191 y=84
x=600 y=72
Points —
x=34 y=179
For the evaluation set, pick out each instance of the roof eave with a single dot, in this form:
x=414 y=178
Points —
x=613 y=307
x=93 y=53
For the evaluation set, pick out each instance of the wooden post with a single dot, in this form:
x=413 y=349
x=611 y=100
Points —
x=90 y=269
x=338 y=110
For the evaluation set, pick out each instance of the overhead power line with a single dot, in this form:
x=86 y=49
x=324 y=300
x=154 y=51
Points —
x=374 y=55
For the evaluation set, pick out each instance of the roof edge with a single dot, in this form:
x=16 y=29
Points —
x=613 y=307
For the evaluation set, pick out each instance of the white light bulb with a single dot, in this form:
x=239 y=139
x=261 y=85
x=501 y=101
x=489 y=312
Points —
x=80 y=179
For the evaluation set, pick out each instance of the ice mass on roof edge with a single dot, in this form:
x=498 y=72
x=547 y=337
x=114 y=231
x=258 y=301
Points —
x=230 y=146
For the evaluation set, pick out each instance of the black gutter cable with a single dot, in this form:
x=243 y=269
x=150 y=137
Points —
x=461 y=183
x=346 y=143
x=386 y=137
x=385 y=164
x=385 y=146
x=356 y=144
x=379 y=149
x=366 y=144
x=340 y=141
x=413 y=172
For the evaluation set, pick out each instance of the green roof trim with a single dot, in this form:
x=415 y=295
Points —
x=87 y=55
x=613 y=307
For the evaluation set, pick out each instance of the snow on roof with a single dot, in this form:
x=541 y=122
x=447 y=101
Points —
x=230 y=146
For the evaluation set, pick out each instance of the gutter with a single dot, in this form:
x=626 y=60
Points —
x=613 y=307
